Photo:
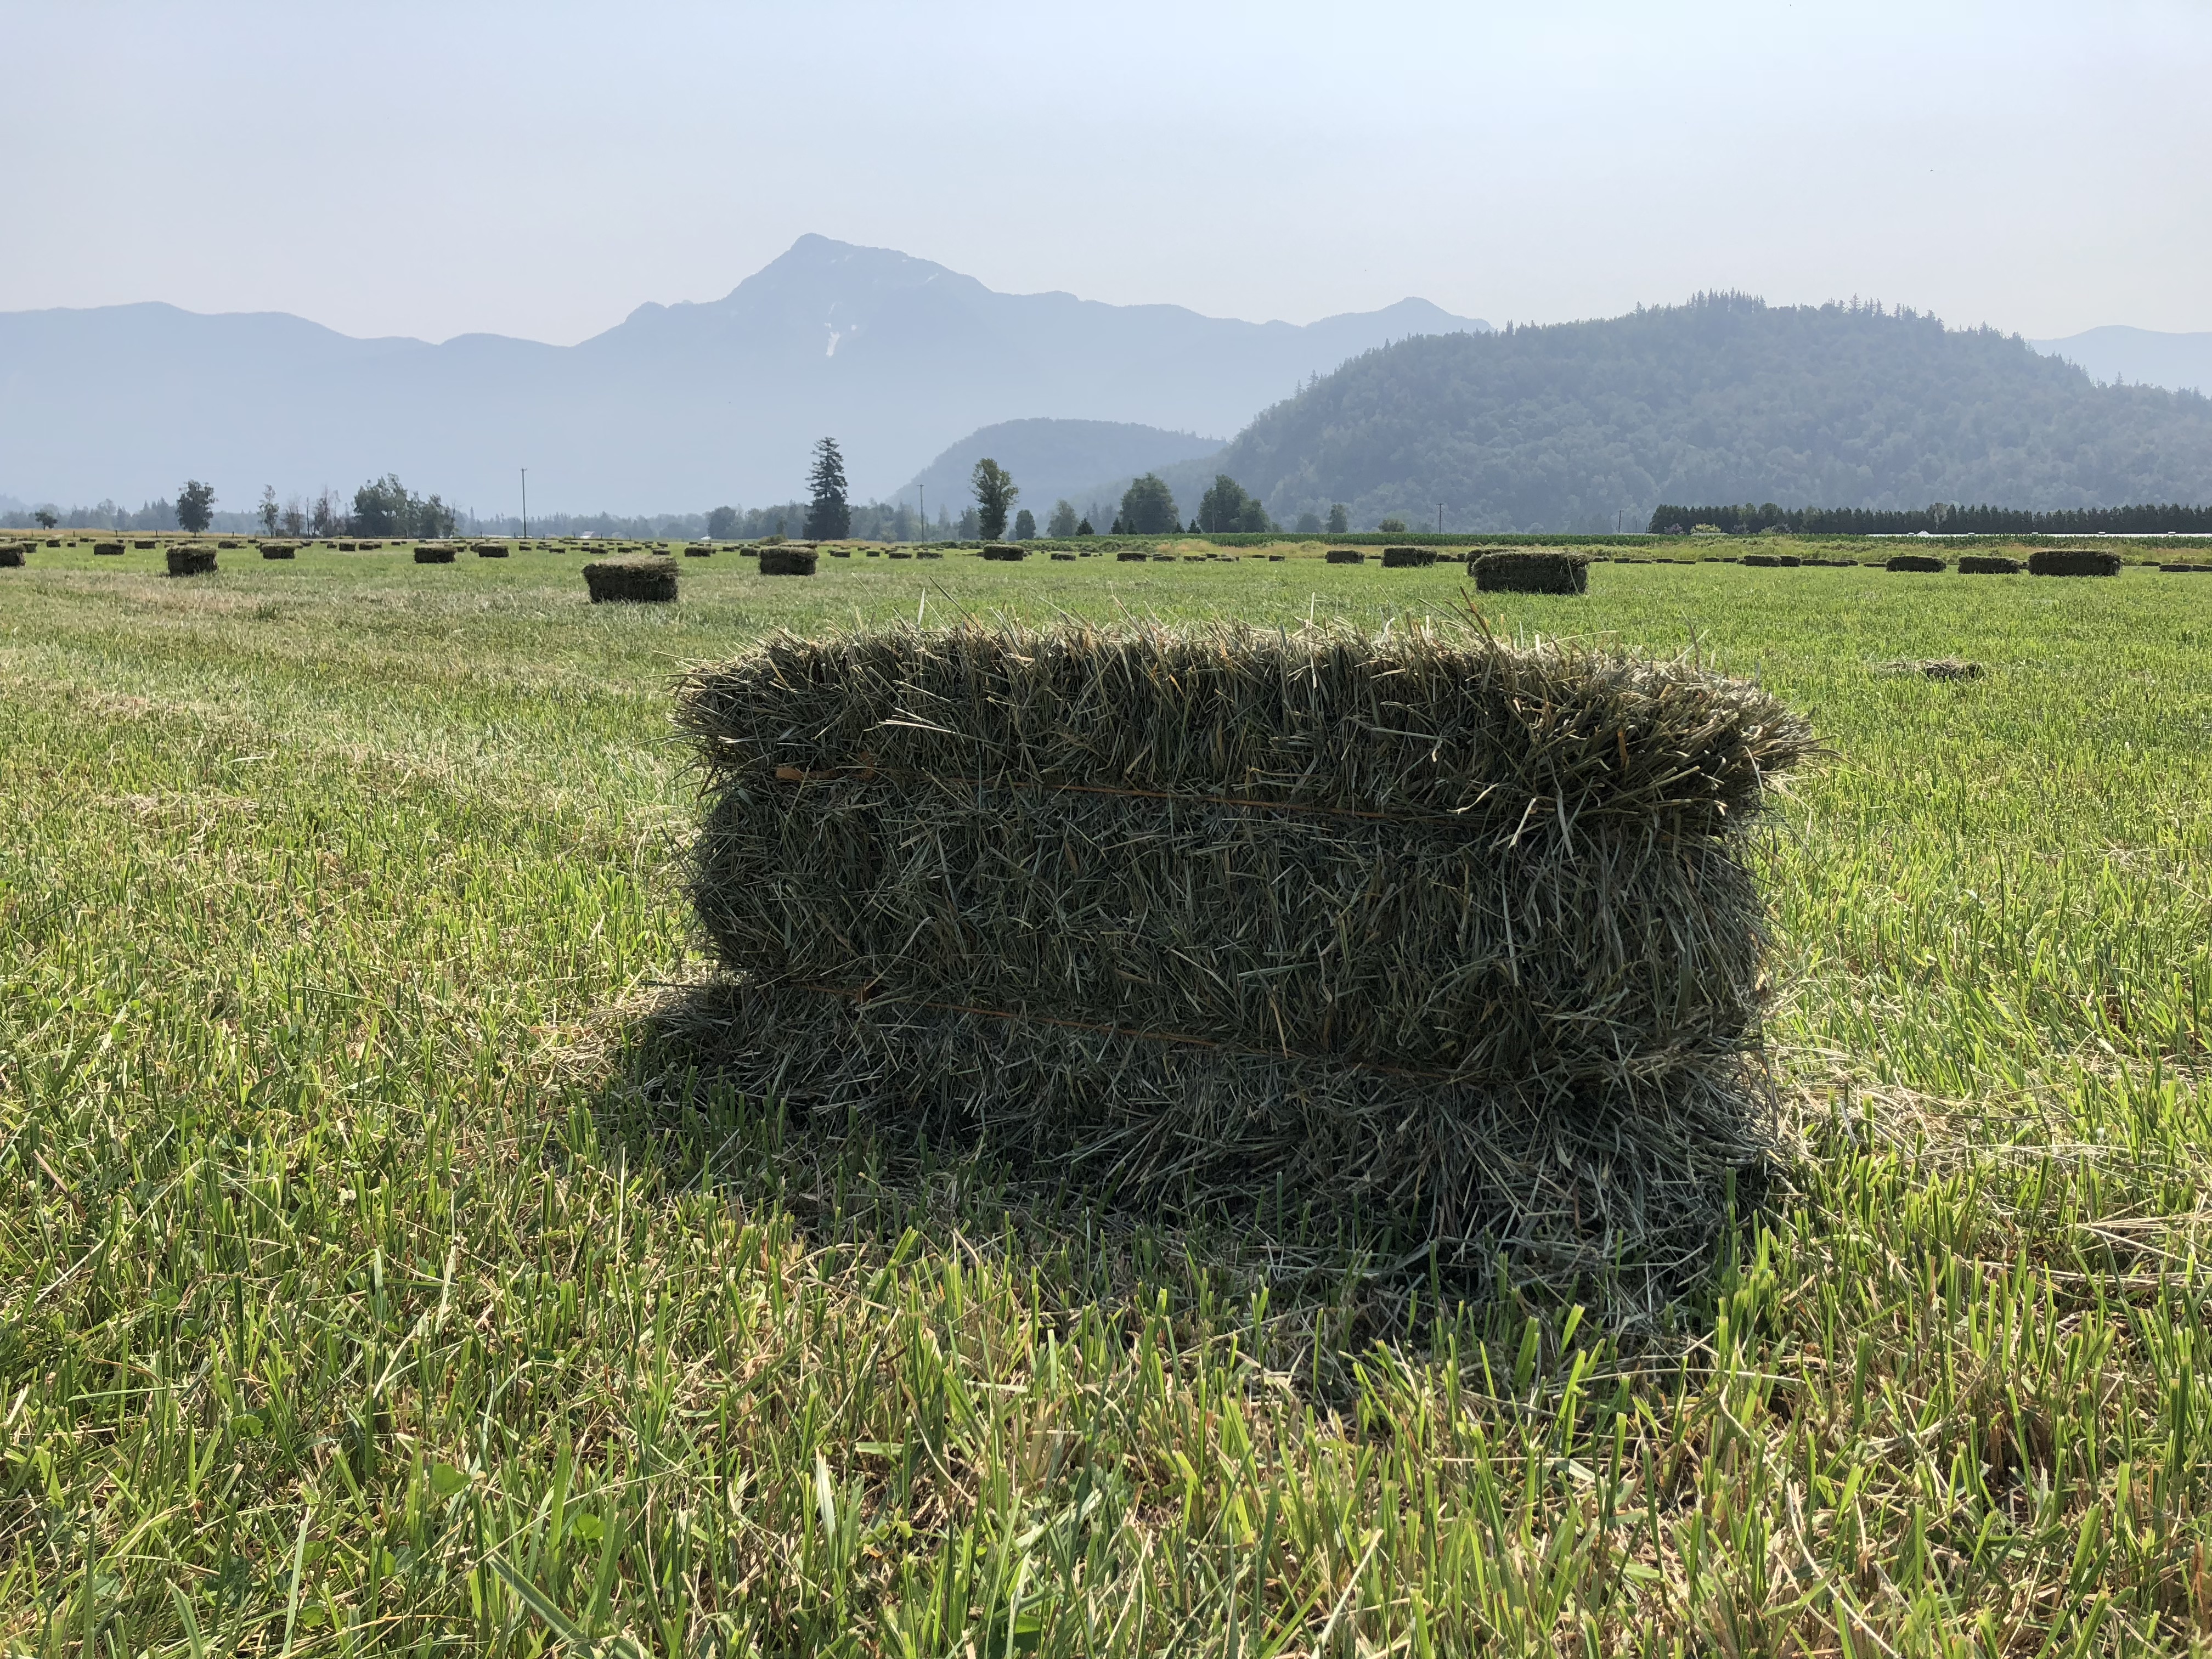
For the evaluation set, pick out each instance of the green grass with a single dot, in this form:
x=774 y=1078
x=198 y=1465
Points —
x=355 y=1293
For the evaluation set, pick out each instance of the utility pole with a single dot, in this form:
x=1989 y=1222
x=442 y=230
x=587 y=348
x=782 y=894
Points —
x=525 y=503
x=1440 y=518
x=922 y=494
x=1618 y=513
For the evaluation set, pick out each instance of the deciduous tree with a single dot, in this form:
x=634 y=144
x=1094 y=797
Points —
x=995 y=490
x=195 y=506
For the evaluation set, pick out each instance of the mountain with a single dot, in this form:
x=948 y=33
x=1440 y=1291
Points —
x=1577 y=426
x=679 y=406
x=1056 y=460
x=2138 y=356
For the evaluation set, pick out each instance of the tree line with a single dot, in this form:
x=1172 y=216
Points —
x=1940 y=520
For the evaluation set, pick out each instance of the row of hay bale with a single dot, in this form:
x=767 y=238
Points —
x=1460 y=938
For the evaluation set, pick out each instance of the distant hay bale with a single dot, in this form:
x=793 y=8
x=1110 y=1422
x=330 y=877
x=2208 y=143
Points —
x=1924 y=563
x=1002 y=552
x=2072 y=562
x=143 y=547
x=109 y=549
x=1460 y=938
x=630 y=581
x=12 y=556
x=1345 y=555
x=928 y=553
x=1070 y=557
x=489 y=550
x=899 y=553
x=277 y=551
x=1988 y=564
x=347 y=547
x=1408 y=558
x=786 y=561
x=1530 y=573
x=1276 y=558
x=1131 y=556
x=192 y=560
x=434 y=553
x=841 y=552
x=1772 y=561
x=699 y=550
x=228 y=546
x=2187 y=569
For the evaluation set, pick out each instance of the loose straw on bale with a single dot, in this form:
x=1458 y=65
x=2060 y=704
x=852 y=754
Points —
x=1457 y=935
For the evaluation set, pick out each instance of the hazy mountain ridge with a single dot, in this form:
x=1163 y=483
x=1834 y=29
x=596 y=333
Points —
x=676 y=406
x=2140 y=356
x=1580 y=426
x=1054 y=460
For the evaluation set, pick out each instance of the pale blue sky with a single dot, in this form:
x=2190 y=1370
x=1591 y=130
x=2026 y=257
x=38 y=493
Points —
x=541 y=169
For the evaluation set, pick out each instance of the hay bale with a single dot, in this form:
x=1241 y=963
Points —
x=1004 y=552
x=1915 y=562
x=277 y=551
x=12 y=556
x=228 y=546
x=698 y=551
x=1408 y=558
x=143 y=547
x=192 y=560
x=1458 y=935
x=1345 y=555
x=1988 y=564
x=1771 y=561
x=2072 y=562
x=928 y=553
x=107 y=549
x=630 y=581
x=1131 y=556
x=1277 y=558
x=1530 y=573
x=786 y=561
x=898 y=554
x=1070 y=557
x=432 y=553
x=2186 y=569
x=489 y=550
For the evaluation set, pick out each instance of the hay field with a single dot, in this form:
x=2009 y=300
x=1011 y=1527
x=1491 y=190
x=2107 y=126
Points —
x=360 y=1288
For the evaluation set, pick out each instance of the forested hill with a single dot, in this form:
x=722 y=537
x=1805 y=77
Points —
x=1577 y=426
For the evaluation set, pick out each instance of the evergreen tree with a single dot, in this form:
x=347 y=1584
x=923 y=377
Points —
x=829 y=517
x=1083 y=528
x=995 y=490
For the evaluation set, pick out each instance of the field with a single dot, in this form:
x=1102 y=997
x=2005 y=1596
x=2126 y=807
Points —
x=364 y=1283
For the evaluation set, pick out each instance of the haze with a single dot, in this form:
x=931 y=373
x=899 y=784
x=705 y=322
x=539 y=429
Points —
x=539 y=170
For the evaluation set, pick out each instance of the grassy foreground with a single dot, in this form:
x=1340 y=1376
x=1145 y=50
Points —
x=353 y=1296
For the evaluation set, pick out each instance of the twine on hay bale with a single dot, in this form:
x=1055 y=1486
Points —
x=1345 y=555
x=786 y=561
x=1457 y=937
x=1530 y=573
x=1988 y=564
x=1408 y=558
x=630 y=581
x=2073 y=561
x=1914 y=562
x=192 y=560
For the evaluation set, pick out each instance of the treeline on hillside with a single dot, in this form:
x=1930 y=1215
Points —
x=1576 y=427
x=2147 y=519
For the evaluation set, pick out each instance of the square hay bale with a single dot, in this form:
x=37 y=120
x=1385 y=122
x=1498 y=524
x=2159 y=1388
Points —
x=109 y=549
x=786 y=561
x=192 y=560
x=1514 y=572
x=489 y=550
x=143 y=547
x=875 y=552
x=896 y=553
x=2186 y=569
x=1459 y=936
x=1345 y=555
x=347 y=547
x=699 y=550
x=1000 y=551
x=11 y=556
x=277 y=551
x=1408 y=558
x=432 y=553
x=1277 y=558
x=928 y=553
x=1070 y=557
x=1988 y=564
x=841 y=552
x=1131 y=556
x=1771 y=561
x=228 y=546
x=2072 y=562
x=630 y=581
x=1915 y=562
